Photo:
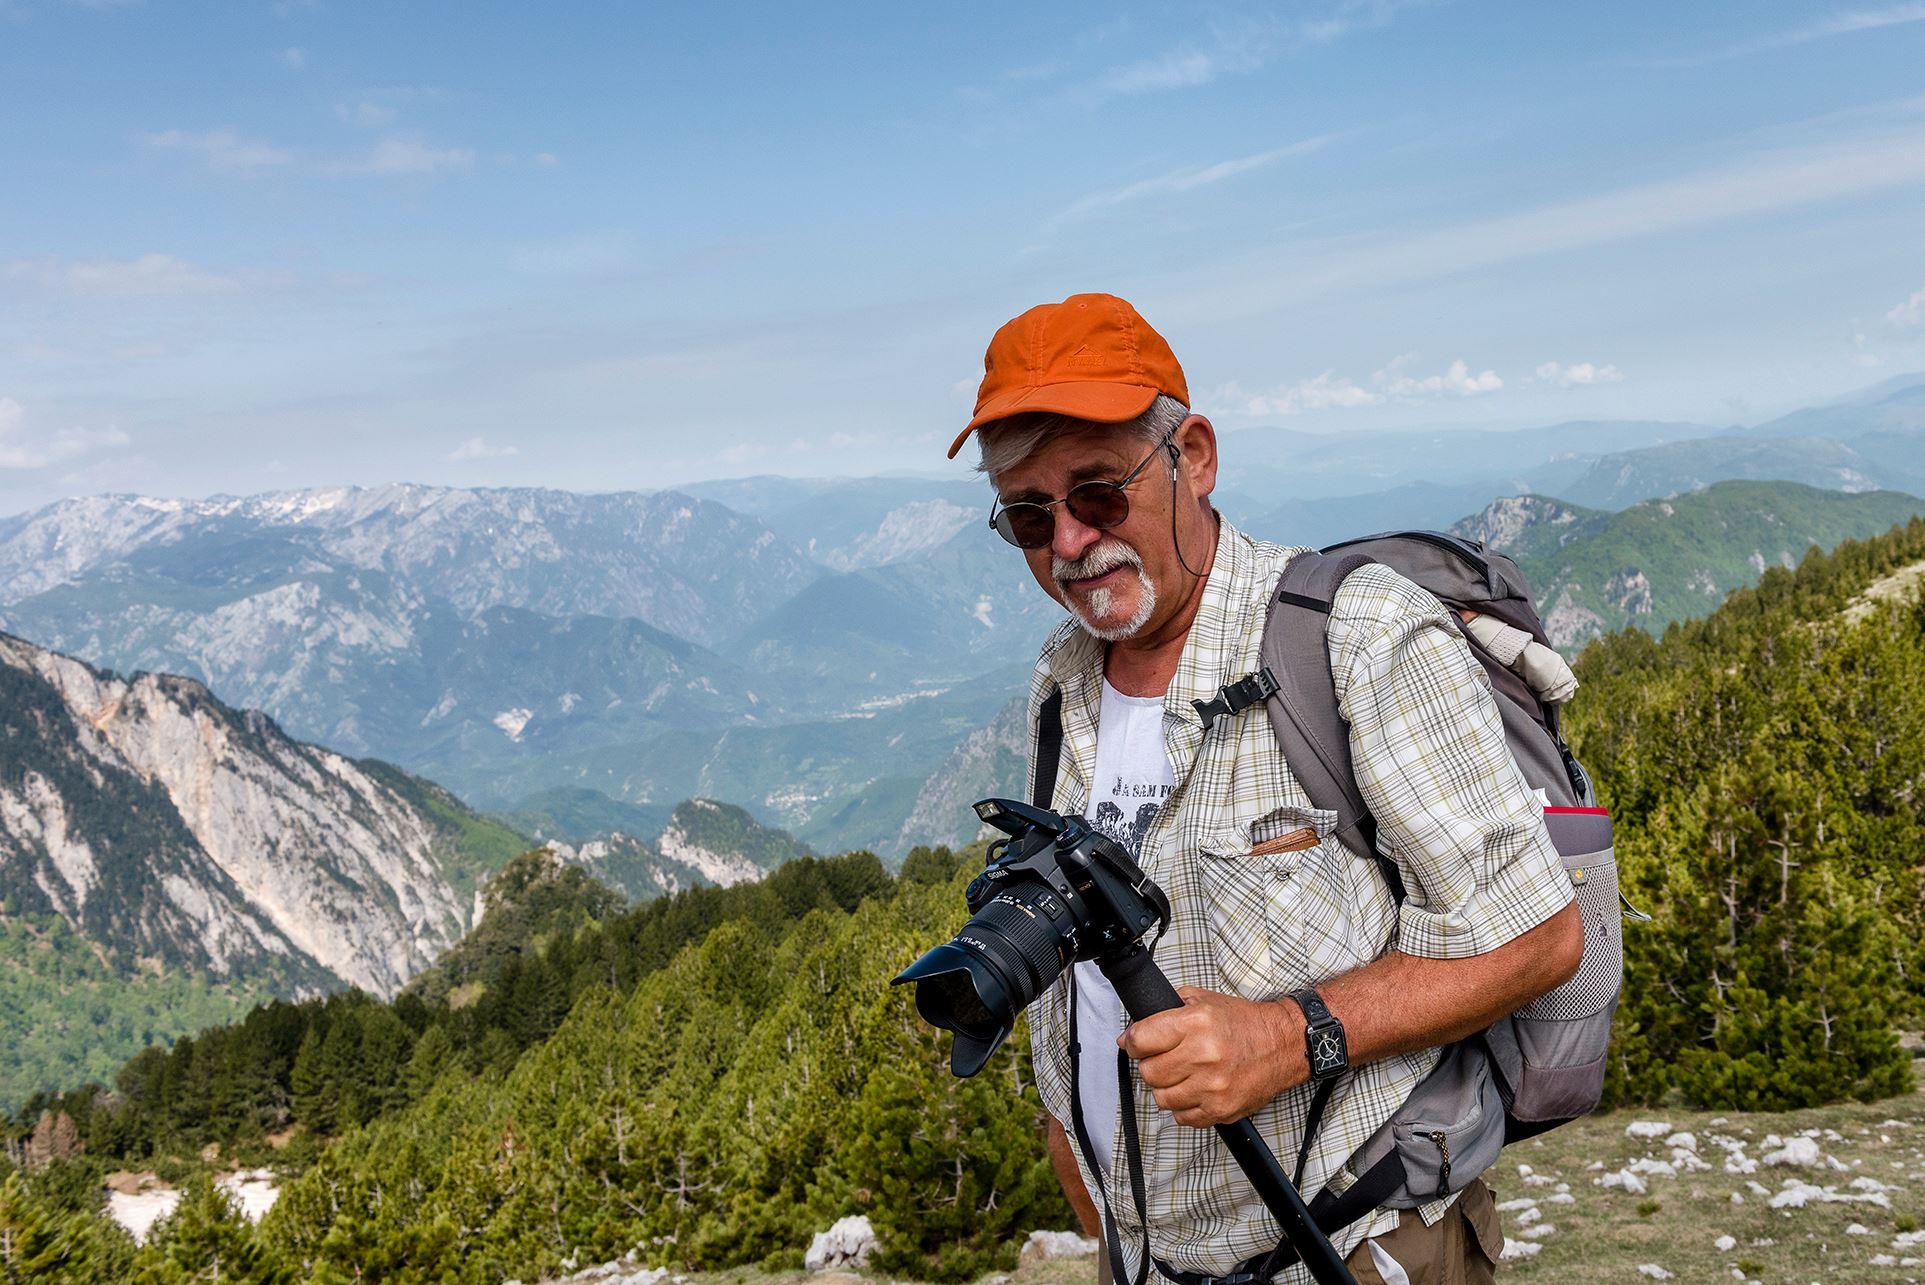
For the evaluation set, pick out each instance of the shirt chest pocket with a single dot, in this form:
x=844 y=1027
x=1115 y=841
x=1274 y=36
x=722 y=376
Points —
x=1253 y=882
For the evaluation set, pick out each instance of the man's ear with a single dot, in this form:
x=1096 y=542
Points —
x=1193 y=453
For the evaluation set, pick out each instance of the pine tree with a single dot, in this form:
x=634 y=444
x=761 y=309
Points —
x=31 y=1247
x=207 y=1239
x=317 y=1095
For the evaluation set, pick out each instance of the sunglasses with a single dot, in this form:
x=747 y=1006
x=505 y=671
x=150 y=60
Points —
x=1099 y=505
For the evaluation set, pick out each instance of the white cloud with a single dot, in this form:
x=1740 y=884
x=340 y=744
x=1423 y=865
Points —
x=365 y=112
x=1178 y=69
x=1331 y=391
x=1455 y=381
x=148 y=275
x=546 y=159
x=1842 y=24
x=1191 y=178
x=476 y=448
x=1577 y=374
x=1781 y=179
x=1911 y=312
x=406 y=154
x=589 y=254
x=1327 y=391
x=1238 y=49
x=220 y=149
x=292 y=58
x=20 y=449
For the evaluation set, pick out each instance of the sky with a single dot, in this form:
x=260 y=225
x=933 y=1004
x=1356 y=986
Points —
x=254 y=246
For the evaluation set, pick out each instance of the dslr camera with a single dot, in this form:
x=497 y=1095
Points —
x=1053 y=893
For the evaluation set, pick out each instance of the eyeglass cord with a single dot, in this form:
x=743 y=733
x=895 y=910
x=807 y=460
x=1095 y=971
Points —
x=1176 y=454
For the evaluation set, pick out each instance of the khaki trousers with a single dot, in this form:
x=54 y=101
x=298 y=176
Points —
x=1462 y=1249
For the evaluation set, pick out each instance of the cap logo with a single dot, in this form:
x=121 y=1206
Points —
x=1083 y=357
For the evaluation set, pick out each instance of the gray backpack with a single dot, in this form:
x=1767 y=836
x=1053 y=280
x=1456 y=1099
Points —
x=1544 y=1064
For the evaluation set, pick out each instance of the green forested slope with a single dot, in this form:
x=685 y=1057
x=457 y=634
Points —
x=1675 y=558
x=69 y=1017
x=1764 y=766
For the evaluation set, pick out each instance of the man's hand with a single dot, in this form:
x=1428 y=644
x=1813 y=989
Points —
x=1219 y=1057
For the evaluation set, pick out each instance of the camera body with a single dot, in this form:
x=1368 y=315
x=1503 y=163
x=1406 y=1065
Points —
x=1053 y=893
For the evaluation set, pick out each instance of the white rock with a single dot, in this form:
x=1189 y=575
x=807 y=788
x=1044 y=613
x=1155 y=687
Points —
x=1655 y=1272
x=1688 y=1141
x=1043 y=1245
x=1757 y=1188
x=1560 y=1198
x=847 y=1243
x=1656 y=1168
x=1512 y=1206
x=1857 y=1229
x=1800 y=1152
x=1724 y=1243
x=1625 y=1179
x=1797 y=1195
x=1906 y=1239
x=1737 y=1198
x=1538 y=1231
x=1647 y=1128
x=1516 y=1249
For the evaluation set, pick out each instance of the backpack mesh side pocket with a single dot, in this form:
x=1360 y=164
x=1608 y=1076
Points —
x=1557 y=1069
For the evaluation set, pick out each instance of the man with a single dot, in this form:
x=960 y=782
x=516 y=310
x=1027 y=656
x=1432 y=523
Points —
x=1103 y=477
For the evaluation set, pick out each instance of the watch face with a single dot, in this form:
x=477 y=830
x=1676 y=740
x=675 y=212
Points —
x=1326 y=1050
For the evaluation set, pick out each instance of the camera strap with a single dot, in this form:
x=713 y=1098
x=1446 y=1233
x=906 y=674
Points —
x=1049 y=748
x=1133 y=1159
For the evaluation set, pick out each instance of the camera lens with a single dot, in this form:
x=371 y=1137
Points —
x=1004 y=957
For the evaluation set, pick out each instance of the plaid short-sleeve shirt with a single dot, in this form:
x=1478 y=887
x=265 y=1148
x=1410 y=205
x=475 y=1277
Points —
x=1452 y=810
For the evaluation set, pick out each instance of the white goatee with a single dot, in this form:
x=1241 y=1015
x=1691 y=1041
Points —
x=1107 y=555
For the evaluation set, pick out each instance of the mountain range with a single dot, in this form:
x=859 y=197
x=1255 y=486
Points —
x=813 y=650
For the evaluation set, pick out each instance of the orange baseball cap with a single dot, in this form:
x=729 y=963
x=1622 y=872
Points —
x=1091 y=356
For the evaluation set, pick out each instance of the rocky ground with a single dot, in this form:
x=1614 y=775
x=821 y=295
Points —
x=1835 y=1194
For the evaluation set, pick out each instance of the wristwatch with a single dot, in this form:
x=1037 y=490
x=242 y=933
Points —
x=1323 y=1038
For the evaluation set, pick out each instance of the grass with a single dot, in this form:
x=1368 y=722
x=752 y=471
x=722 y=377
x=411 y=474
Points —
x=1607 y=1234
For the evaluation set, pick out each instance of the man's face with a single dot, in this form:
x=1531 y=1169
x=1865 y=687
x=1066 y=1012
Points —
x=1113 y=581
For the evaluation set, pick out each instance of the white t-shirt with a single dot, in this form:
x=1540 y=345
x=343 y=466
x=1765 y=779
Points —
x=1133 y=778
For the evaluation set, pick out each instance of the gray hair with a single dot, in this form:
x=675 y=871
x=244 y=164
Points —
x=1006 y=443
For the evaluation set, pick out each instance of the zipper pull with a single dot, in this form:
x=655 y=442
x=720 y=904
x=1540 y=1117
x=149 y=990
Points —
x=1443 y=1172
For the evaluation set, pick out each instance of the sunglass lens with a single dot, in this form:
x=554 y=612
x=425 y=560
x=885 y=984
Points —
x=1027 y=526
x=1099 y=504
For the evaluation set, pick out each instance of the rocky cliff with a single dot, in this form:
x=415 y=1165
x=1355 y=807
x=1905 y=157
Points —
x=172 y=831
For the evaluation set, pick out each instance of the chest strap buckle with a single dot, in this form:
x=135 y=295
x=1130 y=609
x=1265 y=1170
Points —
x=1234 y=698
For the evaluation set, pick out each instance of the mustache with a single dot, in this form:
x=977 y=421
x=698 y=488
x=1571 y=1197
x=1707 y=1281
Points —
x=1105 y=556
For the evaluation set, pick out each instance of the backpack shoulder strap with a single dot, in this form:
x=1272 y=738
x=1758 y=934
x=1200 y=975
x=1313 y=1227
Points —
x=1310 y=730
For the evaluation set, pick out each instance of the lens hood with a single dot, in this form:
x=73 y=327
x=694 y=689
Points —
x=962 y=990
